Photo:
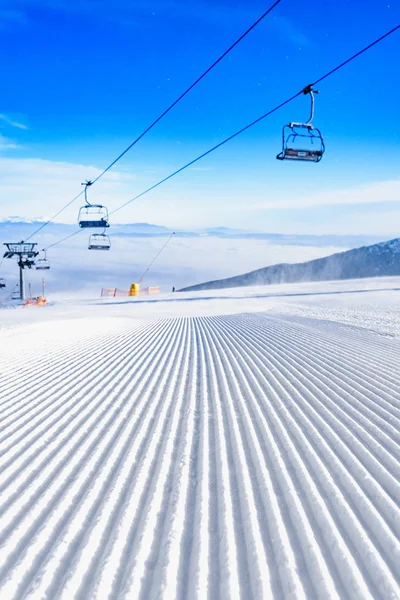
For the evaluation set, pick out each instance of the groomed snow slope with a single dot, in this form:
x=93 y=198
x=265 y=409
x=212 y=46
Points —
x=249 y=455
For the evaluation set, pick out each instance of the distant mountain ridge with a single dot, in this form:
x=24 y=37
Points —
x=18 y=229
x=368 y=261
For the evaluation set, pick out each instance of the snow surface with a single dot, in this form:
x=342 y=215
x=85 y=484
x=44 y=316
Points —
x=243 y=444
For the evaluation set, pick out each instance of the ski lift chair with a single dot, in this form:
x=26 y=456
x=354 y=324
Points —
x=92 y=215
x=43 y=264
x=2 y=282
x=302 y=141
x=99 y=241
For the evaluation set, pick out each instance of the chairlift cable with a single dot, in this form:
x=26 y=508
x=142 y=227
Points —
x=377 y=41
x=267 y=114
x=243 y=129
x=192 y=162
x=54 y=216
x=64 y=239
x=163 y=114
x=214 y=64
x=155 y=258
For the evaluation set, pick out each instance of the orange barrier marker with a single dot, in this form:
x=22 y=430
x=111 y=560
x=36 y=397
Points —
x=39 y=301
x=134 y=289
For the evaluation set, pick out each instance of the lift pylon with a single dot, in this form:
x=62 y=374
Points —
x=26 y=253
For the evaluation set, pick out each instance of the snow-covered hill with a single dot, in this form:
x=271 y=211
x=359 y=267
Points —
x=369 y=261
x=191 y=446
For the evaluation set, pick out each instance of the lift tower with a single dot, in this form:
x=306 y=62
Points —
x=26 y=253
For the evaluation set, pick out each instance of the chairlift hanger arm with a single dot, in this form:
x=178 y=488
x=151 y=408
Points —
x=309 y=90
x=87 y=184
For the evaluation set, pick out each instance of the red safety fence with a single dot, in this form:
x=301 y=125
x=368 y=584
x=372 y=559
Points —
x=108 y=292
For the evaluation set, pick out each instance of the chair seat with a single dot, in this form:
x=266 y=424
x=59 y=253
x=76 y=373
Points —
x=98 y=247
x=100 y=223
x=297 y=154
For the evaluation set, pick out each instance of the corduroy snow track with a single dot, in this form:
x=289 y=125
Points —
x=238 y=456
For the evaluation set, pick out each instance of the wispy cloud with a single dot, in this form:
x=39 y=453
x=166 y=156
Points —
x=7 y=144
x=34 y=186
x=140 y=12
x=375 y=192
x=11 y=122
x=290 y=30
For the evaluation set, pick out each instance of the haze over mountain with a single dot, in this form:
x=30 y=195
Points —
x=368 y=261
x=16 y=228
x=204 y=254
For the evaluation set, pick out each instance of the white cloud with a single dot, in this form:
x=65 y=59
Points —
x=288 y=28
x=35 y=187
x=32 y=186
x=7 y=144
x=379 y=191
x=129 y=13
x=11 y=122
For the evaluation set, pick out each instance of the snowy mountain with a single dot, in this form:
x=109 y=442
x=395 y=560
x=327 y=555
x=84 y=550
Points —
x=17 y=219
x=16 y=228
x=368 y=261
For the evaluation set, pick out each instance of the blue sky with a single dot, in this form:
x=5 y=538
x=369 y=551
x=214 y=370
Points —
x=83 y=79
